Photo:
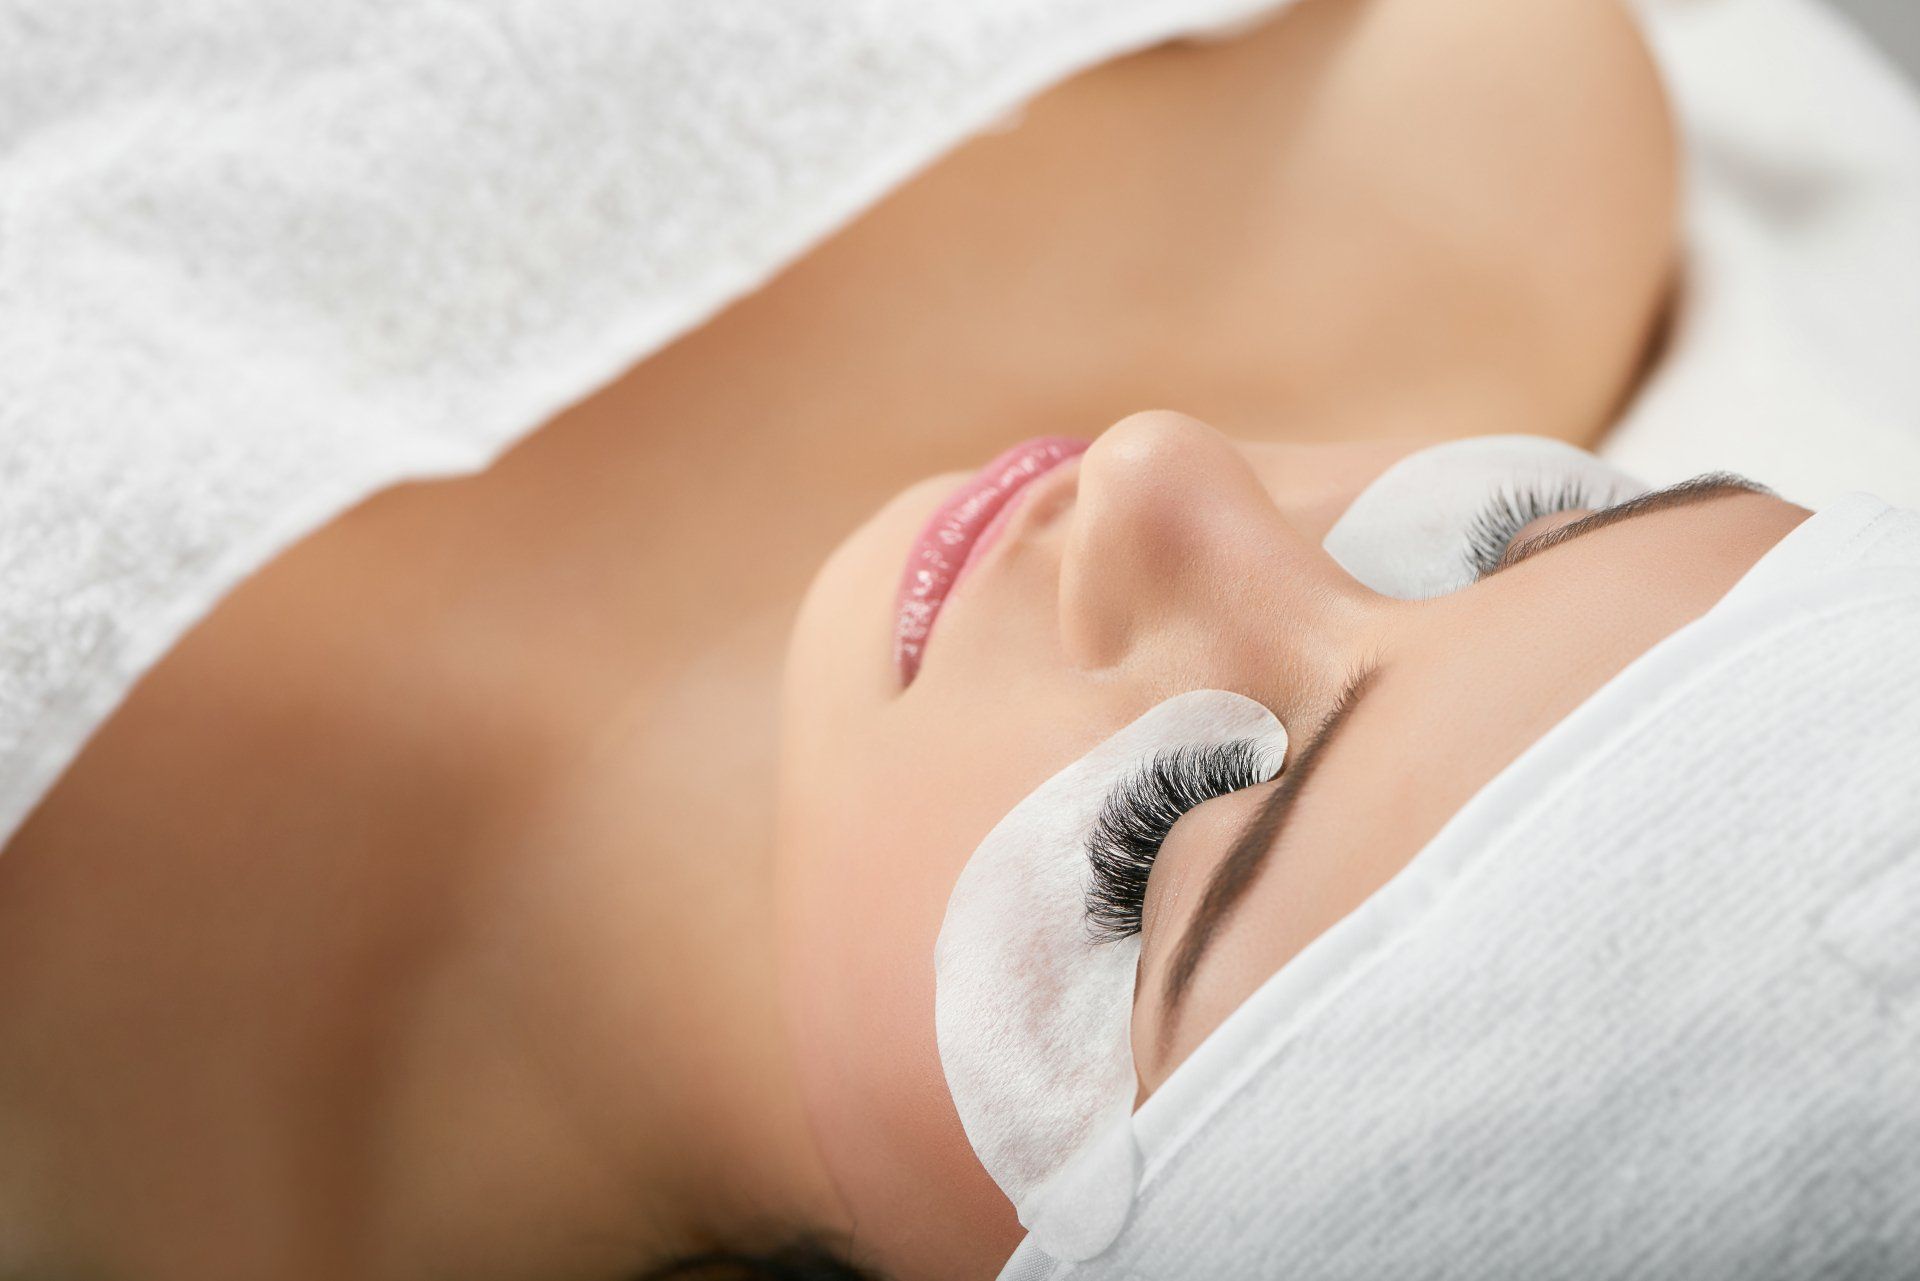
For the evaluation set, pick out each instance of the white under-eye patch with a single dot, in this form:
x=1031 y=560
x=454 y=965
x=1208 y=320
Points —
x=1034 y=1016
x=1409 y=534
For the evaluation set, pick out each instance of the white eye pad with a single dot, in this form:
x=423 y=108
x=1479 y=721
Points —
x=1034 y=1016
x=1411 y=533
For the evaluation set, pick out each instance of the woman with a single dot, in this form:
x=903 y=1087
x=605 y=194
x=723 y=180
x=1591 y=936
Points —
x=423 y=912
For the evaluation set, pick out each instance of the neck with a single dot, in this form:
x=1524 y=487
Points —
x=612 y=1005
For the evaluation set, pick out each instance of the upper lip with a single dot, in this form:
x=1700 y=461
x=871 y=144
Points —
x=951 y=539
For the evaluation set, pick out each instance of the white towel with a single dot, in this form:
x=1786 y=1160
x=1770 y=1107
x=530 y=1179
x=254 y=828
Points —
x=1648 y=1005
x=259 y=258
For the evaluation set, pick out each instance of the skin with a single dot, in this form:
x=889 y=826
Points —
x=426 y=912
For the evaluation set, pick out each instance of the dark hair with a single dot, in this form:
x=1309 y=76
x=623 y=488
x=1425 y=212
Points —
x=804 y=1259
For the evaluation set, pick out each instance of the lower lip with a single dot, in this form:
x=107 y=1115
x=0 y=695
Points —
x=953 y=536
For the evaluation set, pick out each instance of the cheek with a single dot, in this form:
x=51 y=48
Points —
x=864 y=886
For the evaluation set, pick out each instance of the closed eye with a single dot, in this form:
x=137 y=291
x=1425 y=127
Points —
x=1700 y=489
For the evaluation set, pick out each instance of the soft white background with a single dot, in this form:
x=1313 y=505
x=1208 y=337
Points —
x=1894 y=25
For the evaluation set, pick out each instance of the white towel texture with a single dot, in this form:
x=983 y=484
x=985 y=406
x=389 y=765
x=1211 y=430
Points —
x=1648 y=1005
x=260 y=258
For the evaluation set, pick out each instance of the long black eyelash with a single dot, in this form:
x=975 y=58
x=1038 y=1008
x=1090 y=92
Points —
x=1141 y=811
x=1512 y=509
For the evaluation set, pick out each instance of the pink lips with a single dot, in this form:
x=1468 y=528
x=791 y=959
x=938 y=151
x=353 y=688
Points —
x=954 y=535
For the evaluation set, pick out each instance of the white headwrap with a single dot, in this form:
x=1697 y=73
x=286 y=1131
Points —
x=1648 y=1005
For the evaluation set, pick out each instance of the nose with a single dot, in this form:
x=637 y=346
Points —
x=1180 y=558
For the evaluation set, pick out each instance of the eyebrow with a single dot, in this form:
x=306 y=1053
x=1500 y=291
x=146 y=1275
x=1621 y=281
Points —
x=1250 y=850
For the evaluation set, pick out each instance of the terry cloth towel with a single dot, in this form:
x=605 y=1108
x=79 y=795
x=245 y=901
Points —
x=260 y=259
x=1648 y=1005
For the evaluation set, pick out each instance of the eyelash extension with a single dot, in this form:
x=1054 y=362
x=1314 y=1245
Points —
x=1514 y=507
x=1137 y=816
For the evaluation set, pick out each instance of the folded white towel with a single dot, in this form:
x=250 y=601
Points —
x=258 y=260
x=1648 y=1005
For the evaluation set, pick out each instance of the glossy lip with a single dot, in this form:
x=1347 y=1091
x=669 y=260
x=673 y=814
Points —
x=963 y=526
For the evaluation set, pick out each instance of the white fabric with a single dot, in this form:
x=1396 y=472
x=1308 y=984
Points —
x=259 y=258
x=1648 y=1005
x=1791 y=354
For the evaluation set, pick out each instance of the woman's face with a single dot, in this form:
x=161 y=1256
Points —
x=1165 y=558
